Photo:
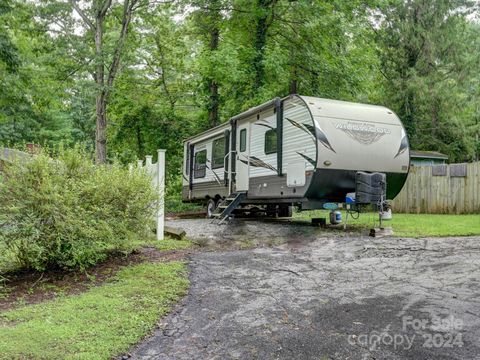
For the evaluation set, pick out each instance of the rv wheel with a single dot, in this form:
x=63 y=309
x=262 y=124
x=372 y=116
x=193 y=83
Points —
x=211 y=206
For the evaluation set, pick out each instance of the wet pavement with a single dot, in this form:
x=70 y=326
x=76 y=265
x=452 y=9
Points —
x=316 y=297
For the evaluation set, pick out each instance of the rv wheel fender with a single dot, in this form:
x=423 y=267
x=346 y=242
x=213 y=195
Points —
x=211 y=206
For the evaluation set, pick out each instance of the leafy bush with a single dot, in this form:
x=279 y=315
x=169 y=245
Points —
x=68 y=213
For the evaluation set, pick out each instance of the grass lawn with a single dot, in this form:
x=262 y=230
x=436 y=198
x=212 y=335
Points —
x=166 y=244
x=98 y=324
x=411 y=225
x=171 y=244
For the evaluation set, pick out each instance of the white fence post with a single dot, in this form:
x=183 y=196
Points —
x=161 y=192
x=157 y=173
x=148 y=162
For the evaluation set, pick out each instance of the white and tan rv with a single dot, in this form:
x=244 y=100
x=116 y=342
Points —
x=296 y=151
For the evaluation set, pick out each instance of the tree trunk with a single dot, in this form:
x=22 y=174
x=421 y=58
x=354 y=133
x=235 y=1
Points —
x=141 y=153
x=103 y=88
x=260 y=41
x=293 y=80
x=293 y=86
x=213 y=105
x=101 y=133
x=101 y=98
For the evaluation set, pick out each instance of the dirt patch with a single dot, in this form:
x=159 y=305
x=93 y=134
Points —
x=23 y=288
x=193 y=214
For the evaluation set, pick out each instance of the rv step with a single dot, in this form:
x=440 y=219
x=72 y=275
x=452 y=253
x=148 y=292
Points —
x=225 y=208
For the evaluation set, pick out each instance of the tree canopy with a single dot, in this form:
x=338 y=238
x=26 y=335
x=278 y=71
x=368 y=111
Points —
x=137 y=75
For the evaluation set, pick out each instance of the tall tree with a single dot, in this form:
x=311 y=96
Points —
x=425 y=50
x=214 y=18
x=310 y=47
x=263 y=19
x=208 y=19
x=94 y=19
x=155 y=103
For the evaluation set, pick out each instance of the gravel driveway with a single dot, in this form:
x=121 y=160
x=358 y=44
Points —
x=324 y=298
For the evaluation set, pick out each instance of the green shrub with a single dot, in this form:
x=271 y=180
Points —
x=68 y=213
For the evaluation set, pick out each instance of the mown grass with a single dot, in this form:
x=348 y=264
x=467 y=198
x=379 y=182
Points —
x=98 y=324
x=172 y=244
x=411 y=225
x=166 y=244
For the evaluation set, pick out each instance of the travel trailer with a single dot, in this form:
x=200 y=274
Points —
x=297 y=151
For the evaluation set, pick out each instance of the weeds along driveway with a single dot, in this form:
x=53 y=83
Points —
x=328 y=298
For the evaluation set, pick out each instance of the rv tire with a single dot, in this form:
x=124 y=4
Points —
x=211 y=206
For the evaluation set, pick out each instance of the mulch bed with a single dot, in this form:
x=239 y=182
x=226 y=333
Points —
x=23 y=288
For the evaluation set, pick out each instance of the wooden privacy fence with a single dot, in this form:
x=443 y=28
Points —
x=441 y=189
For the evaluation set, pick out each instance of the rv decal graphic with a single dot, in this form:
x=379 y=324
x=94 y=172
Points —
x=310 y=128
x=303 y=127
x=403 y=144
x=309 y=159
x=323 y=139
x=219 y=181
x=363 y=133
x=265 y=124
x=256 y=162
x=317 y=134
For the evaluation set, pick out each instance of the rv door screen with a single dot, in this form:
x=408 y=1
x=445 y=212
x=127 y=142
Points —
x=242 y=164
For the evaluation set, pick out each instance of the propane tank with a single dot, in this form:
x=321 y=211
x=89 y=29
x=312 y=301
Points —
x=335 y=217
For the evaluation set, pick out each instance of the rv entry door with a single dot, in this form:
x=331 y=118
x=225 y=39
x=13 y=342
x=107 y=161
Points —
x=243 y=151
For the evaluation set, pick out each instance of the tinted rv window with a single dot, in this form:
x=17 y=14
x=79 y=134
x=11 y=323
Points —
x=218 y=153
x=243 y=140
x=200 y=164
x=271 y=141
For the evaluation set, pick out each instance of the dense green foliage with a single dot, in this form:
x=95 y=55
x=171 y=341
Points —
x=99 y=324
x=429 y=57
x=67 y=213
x=187 y=65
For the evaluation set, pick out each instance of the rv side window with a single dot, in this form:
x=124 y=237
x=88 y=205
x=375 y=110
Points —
x=218 y=153
x=243 y=140
x=200 y=164
x=271 y=141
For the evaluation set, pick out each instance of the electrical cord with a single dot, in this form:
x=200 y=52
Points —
x=352 y=212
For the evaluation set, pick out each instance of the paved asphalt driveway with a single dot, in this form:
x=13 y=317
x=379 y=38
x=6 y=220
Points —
x=328 y=298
